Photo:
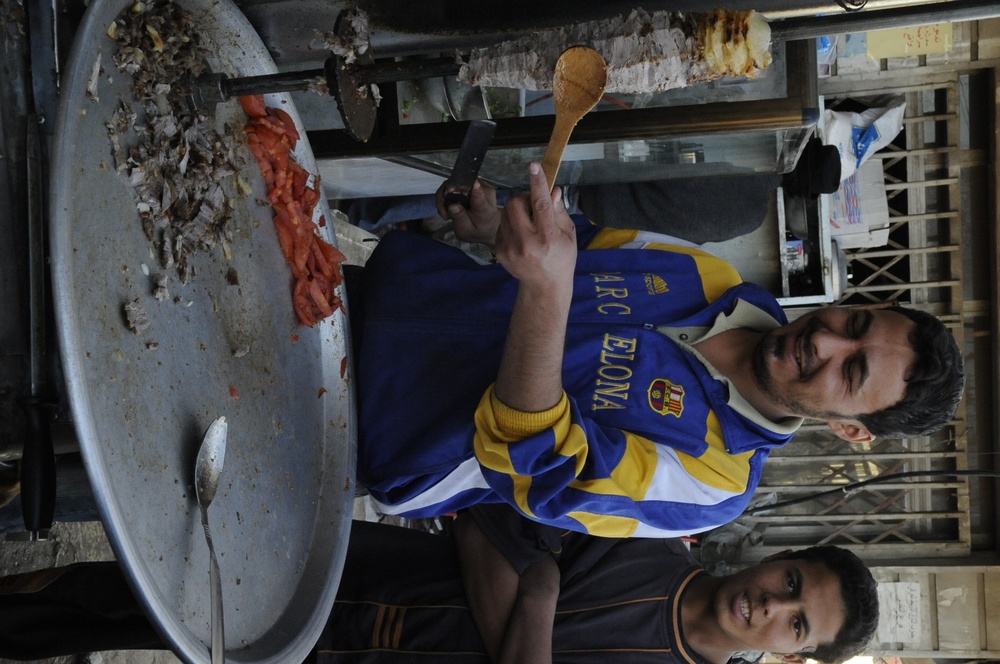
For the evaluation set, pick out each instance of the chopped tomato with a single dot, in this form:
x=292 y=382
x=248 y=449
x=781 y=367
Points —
x=286 y=121
x=334 y=257
x=253 y=105
x=300 y=180
x=286 y=238
x=302 y=303
x=318 y=261
x=315 y=263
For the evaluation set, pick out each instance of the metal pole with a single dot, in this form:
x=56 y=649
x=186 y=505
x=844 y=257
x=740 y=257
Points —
x=810 y=27
x=214 y=88
x=38 y=460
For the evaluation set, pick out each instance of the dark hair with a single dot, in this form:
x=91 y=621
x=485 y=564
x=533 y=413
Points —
x=934 y=384
x=858 y=590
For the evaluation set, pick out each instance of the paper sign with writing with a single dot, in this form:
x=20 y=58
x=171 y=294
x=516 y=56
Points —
x=900 y=612
x=911 y=40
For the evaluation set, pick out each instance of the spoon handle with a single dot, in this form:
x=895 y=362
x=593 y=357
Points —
x=215 y=580
x=557 y=145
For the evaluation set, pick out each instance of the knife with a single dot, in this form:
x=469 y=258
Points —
x=470 y=158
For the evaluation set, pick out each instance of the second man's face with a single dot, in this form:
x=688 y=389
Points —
x=781 y=606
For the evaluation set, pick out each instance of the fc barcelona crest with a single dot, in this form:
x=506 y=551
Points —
x=666 y=398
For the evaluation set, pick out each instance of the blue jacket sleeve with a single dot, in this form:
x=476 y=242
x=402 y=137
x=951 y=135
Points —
x=562 y=469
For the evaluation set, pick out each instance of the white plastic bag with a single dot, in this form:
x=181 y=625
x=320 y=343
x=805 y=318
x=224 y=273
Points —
x=858 y=136
x=826 y=55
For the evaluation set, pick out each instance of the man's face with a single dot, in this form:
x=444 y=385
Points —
x=836 y=362
x=782 y=606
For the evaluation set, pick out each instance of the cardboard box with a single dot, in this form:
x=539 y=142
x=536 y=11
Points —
x=859 y=211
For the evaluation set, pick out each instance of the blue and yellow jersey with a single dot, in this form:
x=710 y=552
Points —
x=643 y=442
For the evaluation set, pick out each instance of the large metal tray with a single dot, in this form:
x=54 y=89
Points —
x=282 y=516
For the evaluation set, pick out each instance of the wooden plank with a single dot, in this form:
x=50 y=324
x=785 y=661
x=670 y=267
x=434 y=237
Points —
x=890 y=253
x=916 y=200
x=890 y=151
x=977 y=568
x=982 y=656
x=908 y=218
x=991 y=606
x=845 y=518
x=887 y=486
x=860 y=457
x=930 y=117
x=981 y=589
x=954 y=226
x=989 y=38
x=918 y=184
x=958 y=605
x=867 y=552
x=898 y=81
x=912 y=285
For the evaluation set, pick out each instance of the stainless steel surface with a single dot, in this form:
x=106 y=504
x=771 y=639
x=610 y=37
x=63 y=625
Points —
x=282 y=516
x=811 y=27
x=207 y=473
x=212 y=88
x=208 y=90
x=453 y=98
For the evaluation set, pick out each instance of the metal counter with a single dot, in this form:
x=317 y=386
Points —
x=141 y=402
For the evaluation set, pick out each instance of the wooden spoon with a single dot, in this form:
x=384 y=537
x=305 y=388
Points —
x=577 y=85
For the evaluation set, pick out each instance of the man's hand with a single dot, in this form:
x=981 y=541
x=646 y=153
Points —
x=514 y=614
x=478 y=222
x=528 y=639
x=490 y=582
x=536 y=243
x=536 y=239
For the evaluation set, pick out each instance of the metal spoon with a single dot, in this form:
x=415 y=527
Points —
x=207 y=470
x=577 y=85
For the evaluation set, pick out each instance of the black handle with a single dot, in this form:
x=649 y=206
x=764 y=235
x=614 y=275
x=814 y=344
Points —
x=456 y=196
x=38 y=469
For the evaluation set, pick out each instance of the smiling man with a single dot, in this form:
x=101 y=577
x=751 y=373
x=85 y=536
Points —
x=501 y=589
x=541 y=595
x=850 y=359
x=856 y=369
x=792 y=605
x=836 y=356
x=607 y=381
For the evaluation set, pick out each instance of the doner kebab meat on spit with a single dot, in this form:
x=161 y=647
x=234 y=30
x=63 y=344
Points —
x=645 y=52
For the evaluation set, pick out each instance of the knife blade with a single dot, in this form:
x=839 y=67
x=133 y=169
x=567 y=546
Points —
x=470 y=158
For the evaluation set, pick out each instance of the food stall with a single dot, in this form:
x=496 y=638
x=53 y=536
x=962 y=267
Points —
x=137 y=402
x=174 y=308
